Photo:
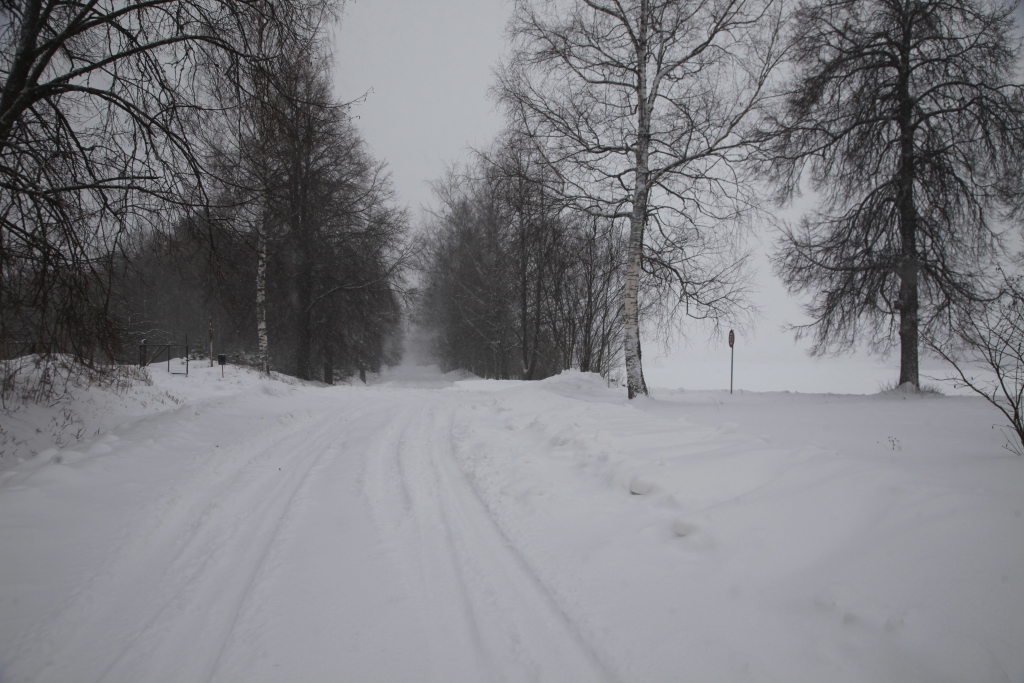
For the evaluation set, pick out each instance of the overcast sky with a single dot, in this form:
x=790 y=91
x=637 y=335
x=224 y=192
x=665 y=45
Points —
x=426 y=67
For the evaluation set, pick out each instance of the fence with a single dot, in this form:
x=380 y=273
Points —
x=150 y=353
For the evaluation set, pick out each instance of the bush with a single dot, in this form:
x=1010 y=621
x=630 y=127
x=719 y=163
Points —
x=986 y=351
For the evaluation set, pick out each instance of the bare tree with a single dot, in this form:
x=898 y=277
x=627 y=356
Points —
x=243 y=138
x=985 y=347
x=99 y=107
x=903 y=115
x=640 y=106
x=587 y=294
x=296 y=178
x=516 y=284
x=468 y=297
x=519 y=182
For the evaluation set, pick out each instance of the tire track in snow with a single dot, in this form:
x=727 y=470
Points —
x=490 y=617
x=199 y=566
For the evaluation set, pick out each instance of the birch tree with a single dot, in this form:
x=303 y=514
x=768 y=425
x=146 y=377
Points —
x=642 y=108
x=317 y=209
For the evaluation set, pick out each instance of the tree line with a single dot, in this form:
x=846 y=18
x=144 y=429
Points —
x=515 y=284
x=169 y=151
x=169 y=161
x=676 y=122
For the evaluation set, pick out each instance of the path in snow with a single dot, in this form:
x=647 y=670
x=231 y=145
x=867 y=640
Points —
x=346 y=539
x=431 y=529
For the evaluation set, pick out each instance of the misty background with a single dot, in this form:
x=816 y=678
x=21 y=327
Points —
x=419 y=76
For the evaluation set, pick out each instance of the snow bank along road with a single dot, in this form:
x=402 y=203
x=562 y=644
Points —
x=428 y=529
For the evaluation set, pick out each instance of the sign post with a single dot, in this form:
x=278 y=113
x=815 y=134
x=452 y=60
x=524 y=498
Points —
x=732 y=356
x=222 y=359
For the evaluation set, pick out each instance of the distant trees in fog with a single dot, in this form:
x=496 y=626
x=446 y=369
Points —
x=515 y=283
x=169 y=161
x=296 y=181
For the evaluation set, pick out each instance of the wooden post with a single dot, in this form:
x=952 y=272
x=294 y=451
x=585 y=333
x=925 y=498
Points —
x=211 y=341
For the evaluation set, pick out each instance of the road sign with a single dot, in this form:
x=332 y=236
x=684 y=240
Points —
x=732 y=338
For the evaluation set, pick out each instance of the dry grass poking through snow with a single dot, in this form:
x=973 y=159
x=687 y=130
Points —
x=54 y=402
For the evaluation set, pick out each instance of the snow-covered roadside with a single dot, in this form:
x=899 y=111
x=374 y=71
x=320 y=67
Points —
x=78 y=412
x=442 y=528
x=71 y=414
x=765 y=537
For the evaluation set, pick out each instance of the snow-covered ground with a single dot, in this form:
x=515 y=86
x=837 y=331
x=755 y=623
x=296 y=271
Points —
x=432 y=528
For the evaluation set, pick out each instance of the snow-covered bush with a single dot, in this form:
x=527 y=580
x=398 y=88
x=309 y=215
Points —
x=38 y=378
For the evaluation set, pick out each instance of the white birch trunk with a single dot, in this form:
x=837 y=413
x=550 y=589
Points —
x=635 y=384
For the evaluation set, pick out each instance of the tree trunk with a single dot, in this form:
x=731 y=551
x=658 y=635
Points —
x=304 y=275
x=304 y=342
x=908 y=302
x=537 y=298
x=261 y=301
x=909 y=364
x=524 y=293
x=328 y=362
x=635 y=384
x=13 y=99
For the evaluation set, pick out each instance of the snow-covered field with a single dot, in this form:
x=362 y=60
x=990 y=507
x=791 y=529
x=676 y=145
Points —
x=428 y=528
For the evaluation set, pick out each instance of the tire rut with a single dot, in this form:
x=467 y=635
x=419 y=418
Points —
x=490 y=617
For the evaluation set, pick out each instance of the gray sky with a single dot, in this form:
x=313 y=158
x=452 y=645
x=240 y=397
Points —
x=427 y=68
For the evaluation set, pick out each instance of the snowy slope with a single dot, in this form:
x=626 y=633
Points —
x=441 y=528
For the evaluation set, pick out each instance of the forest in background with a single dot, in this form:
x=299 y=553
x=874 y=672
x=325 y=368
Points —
x=171 y=162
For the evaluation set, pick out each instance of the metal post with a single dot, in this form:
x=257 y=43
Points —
x=186 y=354
x=732 y=356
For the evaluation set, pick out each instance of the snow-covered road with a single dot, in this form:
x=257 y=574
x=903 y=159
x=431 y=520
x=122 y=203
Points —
x=339 y=538
x=427 y=529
